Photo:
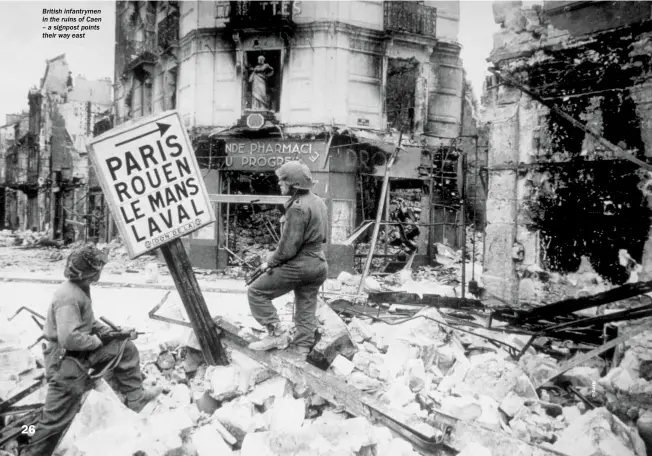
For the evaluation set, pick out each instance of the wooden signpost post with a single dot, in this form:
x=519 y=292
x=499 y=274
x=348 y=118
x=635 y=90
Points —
x=149 y=175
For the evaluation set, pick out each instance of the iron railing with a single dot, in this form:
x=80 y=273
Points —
x=141 y=51
x=410 y=17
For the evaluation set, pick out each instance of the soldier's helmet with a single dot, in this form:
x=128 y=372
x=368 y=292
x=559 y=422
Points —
x=296 y=174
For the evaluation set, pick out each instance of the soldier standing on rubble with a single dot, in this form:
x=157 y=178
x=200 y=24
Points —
x=298 y=264
x=77 y=342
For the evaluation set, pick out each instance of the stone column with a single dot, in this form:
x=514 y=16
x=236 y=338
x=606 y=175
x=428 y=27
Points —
x=445 y=97
x=421 y=96
x=424 y=83
x=500 y=235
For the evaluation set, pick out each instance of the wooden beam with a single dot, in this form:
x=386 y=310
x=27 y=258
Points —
x=379 y=213
x=336 y=391
x=568 y=306
x=593 y=353
x=357 y=233
x=248 y=199
x=193 y=300
x=576 y=123
x=442 y=436
x=397 y=297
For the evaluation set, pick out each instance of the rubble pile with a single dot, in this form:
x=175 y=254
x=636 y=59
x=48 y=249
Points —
x=33 y=245
x=405 y=206
x=240 y=409
x=119 y=261
x=20 y=368
x=10 y=238
x=444 y=278
x=34 y=252
x=39 y=257
x=419 y=368
x=254 y=233
x=627 y=388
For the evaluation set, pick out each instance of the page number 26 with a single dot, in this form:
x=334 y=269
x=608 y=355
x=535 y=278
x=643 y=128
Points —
x=29 y=430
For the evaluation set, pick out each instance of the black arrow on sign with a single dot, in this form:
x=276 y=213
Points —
x=161 y=127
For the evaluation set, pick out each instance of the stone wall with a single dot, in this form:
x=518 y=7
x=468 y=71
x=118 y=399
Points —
x=558 y=199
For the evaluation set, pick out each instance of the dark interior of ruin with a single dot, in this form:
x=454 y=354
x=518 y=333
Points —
x=400 y=91
x=254 y=228
x=251 y=229
x=583 y=206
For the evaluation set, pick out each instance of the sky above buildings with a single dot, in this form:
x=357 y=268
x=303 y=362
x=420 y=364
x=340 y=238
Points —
x=24 y=50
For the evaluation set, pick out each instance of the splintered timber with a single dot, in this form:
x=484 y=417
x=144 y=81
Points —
x=156 y=184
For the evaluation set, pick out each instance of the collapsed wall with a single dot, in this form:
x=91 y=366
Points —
x=559 y=201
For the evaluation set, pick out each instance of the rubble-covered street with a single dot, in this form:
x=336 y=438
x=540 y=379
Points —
x=453 y=200
x=421 y=361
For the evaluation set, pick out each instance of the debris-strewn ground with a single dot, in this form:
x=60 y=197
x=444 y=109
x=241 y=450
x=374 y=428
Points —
x=418 y=366
x=36 y=258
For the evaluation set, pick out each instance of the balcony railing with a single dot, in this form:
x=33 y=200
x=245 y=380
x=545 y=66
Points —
x=143 y=51
x=410 y=17
x=258 y=15
x=168 y=31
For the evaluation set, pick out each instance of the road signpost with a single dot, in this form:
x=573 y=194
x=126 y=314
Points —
x=149 y=175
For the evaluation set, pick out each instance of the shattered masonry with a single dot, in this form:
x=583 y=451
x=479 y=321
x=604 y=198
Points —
x=565 y=219
x=558 y=200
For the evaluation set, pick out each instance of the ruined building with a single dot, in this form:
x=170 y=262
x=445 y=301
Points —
x=45 y=160
x=562 y=201
x=7 y=137
x=334 y=84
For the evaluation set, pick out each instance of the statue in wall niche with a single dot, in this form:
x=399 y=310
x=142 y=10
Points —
x=259 y=79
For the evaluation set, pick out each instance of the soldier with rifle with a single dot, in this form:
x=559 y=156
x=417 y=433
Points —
x=298 y=264
x=76 y=343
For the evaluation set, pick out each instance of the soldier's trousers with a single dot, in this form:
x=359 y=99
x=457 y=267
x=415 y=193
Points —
x=304 y=275
x=68 y=380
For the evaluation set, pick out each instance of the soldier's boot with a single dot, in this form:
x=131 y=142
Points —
x=138 y=399
x=277 y=337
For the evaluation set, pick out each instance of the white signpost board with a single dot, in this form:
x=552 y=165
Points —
x=149 y=174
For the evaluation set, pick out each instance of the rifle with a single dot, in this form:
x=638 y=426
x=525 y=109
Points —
x=257 y=273
x=115 y=333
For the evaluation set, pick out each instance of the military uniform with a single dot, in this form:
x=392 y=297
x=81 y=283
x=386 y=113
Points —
x=74 y=346
x=298 y=264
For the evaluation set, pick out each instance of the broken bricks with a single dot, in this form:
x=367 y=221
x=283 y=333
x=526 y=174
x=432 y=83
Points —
x=600 y=432
x=343 y=438
x=425 y=354
x=239 y=377
x=334 y=337
x=239 y=417
x=497 y=377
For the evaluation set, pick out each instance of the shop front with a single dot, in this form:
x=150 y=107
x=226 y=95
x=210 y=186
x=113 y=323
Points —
x=240 y=179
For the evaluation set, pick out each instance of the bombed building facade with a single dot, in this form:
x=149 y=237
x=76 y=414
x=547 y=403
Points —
x=45 y=159
x=334 y=84
x=568 y=199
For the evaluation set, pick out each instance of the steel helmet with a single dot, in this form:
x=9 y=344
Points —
x=296 y=174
